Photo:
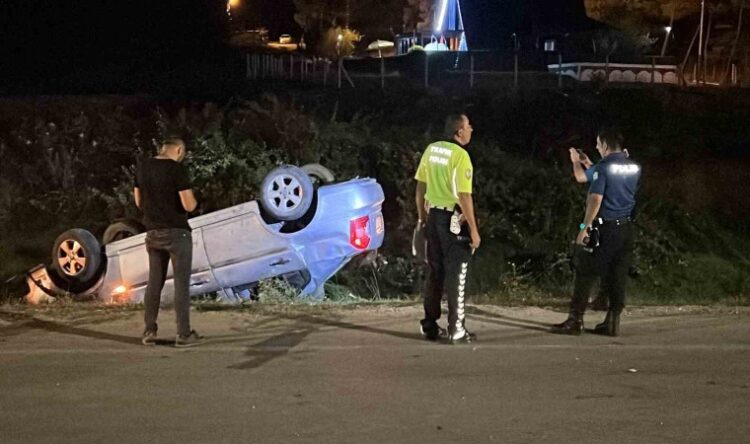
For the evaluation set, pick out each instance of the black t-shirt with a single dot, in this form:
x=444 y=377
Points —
x=160 y=182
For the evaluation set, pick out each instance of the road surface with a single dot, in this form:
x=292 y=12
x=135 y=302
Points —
x=335 y=374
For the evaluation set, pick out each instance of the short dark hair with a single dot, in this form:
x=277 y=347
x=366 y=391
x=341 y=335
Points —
x=452 y=124
x=612 y=137
x=172 y=142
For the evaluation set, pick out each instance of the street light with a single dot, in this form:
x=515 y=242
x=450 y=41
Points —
x=232 y=4
x=667 y=31
x=339 y=40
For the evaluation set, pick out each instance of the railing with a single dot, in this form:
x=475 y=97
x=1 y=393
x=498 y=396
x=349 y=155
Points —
x=461 y=70
x=617 y=72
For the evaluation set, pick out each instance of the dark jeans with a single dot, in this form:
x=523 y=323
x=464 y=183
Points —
x=448 y=258
x=609 y=262
x=163 y=245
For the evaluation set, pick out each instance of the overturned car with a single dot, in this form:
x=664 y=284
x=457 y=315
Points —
x=303 y=229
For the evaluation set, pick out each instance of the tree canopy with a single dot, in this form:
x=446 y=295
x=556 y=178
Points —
x=371 y=19
x=651 y=12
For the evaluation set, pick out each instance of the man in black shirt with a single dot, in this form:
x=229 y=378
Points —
x=162 y=191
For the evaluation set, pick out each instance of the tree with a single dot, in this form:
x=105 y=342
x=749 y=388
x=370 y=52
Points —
x=649 y=12
x=638 y=20
x=338 y=42
x=377 y=19
x=371 y=18
x=417 y=15
x=320 y=14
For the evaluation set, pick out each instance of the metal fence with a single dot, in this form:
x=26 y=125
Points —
x=470 y=69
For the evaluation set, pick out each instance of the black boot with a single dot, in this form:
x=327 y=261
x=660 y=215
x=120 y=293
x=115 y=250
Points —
x=600 y=303
x=611 y=324
x=572 y=326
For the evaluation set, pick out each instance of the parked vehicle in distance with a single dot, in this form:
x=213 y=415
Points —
x=303 y=230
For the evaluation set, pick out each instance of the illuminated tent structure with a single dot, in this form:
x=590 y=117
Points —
x=446 y=33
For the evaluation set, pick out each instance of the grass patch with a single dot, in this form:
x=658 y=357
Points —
x=695 y=280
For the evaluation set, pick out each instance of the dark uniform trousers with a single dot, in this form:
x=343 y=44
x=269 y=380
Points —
x=448 y=258
x=609 y=262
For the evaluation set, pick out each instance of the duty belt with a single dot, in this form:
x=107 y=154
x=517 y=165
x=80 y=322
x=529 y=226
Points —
x=442 y=208
x=618 y=222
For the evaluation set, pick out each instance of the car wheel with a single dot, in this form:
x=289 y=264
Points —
x=286 y=193
x=120 y=230
x=319 y=173
x=76 y=255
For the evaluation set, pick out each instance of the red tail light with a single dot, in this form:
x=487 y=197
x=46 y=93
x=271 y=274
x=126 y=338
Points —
x=358 y=236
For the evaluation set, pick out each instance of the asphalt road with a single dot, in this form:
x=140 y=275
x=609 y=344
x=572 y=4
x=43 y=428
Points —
x=365 y=375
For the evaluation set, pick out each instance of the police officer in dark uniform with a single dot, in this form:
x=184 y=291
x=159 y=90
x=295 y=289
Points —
x=605 y=240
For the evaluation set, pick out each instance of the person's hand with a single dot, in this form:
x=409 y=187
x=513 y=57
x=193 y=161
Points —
x=574 y=156
x=421 y=223
x=584 y=158
x=582 y=237
x=475 y=239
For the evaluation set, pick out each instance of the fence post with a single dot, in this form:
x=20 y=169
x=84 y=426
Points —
x=247 y=65
x=515 y=69
x=471 y=70
x=325 y=73
x=382 y=73
x=426 y=70
x=559 y=70
x=653 y=69
x=340 y=65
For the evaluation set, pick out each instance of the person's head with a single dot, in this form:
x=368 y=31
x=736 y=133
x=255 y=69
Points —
x=458 y=128
x=174 y=148
x=609 y=140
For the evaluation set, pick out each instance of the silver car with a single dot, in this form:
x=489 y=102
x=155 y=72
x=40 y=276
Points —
x=299 y=232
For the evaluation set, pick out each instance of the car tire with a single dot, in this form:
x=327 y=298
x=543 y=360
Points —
x=76 y=255
x=319 y=173
x=120 y=230
x=286 y=193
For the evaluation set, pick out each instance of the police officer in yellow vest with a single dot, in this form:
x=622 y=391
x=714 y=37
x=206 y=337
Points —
x=446 y=208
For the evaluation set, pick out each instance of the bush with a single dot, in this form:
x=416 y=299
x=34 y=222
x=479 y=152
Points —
x=73 y=166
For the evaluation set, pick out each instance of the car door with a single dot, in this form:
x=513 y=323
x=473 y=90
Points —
x=241 y=249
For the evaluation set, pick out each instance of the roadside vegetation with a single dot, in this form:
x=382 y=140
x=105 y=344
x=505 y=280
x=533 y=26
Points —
x=68 y=162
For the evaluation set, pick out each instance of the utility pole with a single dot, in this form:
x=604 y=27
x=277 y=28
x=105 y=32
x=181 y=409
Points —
x=700 y=38
x=348 y=14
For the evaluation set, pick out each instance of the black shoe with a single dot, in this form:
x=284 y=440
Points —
x=433 y=332
x=190 y=340
x=463 y=336
x=571 y=326
x=610 y=326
